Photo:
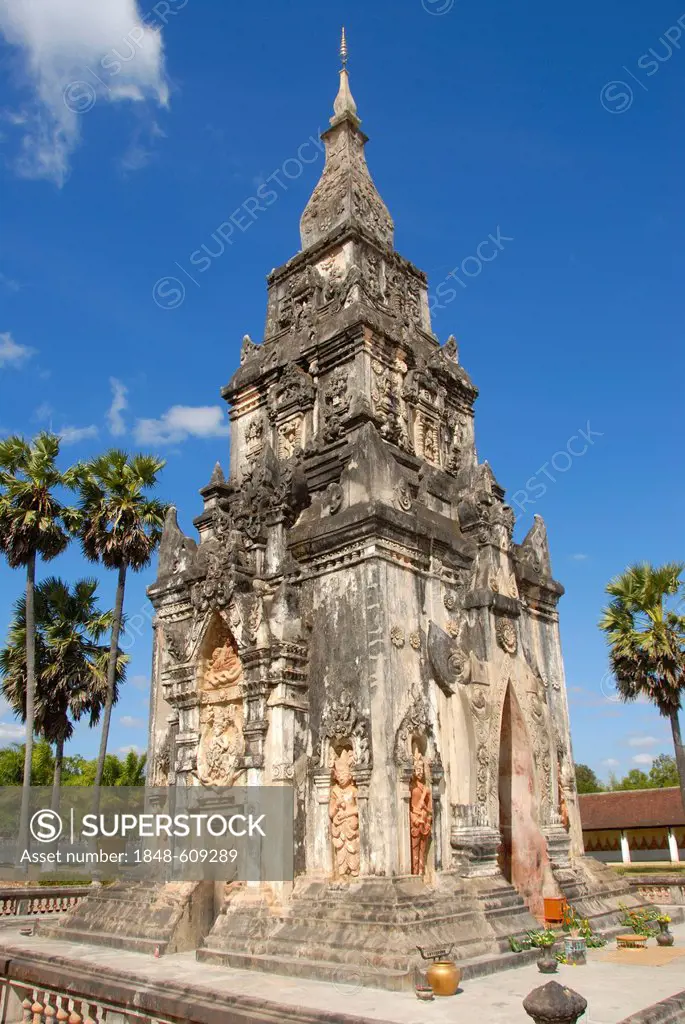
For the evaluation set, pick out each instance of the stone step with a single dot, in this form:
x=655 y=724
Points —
x=320 y=970
x=351 y=913
x=480 y=966
x=110 y=938
x=359 y=974
x=343 y=951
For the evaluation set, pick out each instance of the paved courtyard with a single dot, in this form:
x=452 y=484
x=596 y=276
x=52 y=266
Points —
x=613 y=991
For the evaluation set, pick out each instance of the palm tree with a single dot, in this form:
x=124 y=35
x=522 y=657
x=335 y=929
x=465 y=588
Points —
x=647 y=643
x=33 y=524
x=71 y=662
x=119 y=525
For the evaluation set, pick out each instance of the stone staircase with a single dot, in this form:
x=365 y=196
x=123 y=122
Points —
x=367 y=932
x=592 y=888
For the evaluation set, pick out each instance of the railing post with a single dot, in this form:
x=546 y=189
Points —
x=37 y=1010
x=74 y=1017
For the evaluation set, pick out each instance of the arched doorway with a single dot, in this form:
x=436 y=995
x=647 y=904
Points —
x=523 y=858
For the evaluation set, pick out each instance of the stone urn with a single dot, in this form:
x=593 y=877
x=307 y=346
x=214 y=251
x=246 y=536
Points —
x=664 y=936
x=547 y=962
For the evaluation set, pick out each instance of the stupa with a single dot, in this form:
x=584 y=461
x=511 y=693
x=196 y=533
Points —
x=357 y=623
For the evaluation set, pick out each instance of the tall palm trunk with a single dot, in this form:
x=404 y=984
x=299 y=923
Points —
x=679 y=751
x=30 y=699
x=57 y=775
x=111 y=679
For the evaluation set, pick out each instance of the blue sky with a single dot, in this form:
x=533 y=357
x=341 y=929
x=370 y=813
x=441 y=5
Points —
x=129 y=136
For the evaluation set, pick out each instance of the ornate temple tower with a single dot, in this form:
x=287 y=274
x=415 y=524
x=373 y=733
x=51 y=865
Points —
x=357 y=623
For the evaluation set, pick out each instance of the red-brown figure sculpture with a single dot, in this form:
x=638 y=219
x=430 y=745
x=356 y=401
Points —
x=420 y=815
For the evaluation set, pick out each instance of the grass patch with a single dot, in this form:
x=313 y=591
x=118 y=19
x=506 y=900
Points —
x=650 y=868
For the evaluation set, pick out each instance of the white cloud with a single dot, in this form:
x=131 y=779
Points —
x=643 y=758
x=131 y=747
x=9 y=283
x=43 y=412
x=610 y=762
x=129 y=722
x=181 y=422
x=11 y=352
x=141 y=149
x=140 y=682
x=72 y=435
x=642 y=741
x=115 y=420
x=12 y=732
x=76 y=53
x=580 y=558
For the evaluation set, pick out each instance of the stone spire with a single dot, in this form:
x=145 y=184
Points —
x=345 y=195
x=344 y=101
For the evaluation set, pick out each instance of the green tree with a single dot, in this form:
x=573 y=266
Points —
x=71 y=662
x=120 y=526
x=646 y=642
x=12 y=764
x=132 y=770
x=586 y=780
x=635 y=779
x=33 y=524
x=664 y=772
x=77 y=770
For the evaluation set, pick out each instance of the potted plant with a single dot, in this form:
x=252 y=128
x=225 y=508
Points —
x=641 y=922
x=664 y=935
x=575 y=944
x=544 y=940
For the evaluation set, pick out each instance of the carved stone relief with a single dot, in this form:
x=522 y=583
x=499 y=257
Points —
x=343 y=813
x=223 y=668
x=289 y=437
x=341 y=722
x=221 y=745
x=505 y=631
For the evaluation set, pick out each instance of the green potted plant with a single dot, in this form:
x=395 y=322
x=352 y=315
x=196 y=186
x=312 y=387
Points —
x=544 y=940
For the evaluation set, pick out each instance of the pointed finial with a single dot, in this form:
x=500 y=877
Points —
x=344 y=102
x=217 y=476
x=343 y=48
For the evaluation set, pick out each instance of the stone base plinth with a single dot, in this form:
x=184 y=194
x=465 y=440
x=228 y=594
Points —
x=366 y=932
x=171 y=917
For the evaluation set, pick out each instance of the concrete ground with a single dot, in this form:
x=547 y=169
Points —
x=613 y=991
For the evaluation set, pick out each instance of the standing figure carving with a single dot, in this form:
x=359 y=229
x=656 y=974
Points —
x=343 y=812
x=420 y=815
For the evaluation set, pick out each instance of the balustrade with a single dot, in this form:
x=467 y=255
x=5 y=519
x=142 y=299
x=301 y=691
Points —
x=26 y=1004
